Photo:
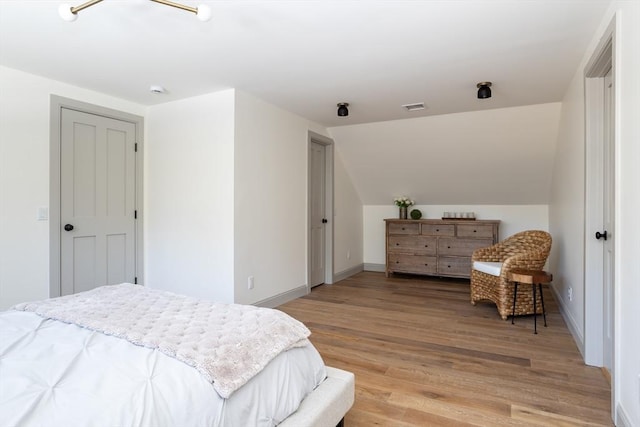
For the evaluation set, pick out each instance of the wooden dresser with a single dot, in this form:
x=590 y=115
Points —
x=436 y=247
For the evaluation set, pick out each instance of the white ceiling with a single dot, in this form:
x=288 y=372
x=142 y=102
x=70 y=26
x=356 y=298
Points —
x=306 y=56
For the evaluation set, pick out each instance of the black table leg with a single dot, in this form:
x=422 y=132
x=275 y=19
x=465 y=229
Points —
x=515 y=293
x=535 y=327
x=544 y=312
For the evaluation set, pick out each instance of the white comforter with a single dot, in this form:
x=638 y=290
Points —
x=58 y=374
x=227 y=343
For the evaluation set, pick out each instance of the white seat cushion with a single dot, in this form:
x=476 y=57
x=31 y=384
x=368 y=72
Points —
x=492 y=268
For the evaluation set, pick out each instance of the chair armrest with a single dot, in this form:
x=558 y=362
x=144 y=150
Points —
x=532 y=260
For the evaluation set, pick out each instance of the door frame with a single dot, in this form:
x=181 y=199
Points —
x=57 y=103
x=328 y=207
x=600 y=62
x=594 y=99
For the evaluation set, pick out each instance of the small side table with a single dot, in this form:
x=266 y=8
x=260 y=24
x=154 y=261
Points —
x=535 y=278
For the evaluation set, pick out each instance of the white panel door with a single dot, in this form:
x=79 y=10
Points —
x=97 y=201
x=317 y=194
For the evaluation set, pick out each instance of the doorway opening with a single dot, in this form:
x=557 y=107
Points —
x=600 y=208
x=320 y=210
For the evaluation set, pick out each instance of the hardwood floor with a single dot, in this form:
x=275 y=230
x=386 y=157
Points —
x=424 y=356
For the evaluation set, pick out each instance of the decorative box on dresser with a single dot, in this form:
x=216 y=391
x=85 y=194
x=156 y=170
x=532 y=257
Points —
x=436 y=247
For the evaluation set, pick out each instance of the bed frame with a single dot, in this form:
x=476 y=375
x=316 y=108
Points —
x=327 y=405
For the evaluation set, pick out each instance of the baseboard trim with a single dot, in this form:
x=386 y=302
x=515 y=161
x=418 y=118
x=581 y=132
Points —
x=375 y=267
x=283 y=298
x=621 y=417
x=341 y=275
x=570 y=321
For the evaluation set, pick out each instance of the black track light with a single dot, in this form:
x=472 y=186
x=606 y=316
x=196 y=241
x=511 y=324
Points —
x=343 y=111
x=484 y=90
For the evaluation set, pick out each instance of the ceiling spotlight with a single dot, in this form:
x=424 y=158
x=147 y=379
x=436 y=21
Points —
x=343 y=111
x=157 y=89
x=484 y=90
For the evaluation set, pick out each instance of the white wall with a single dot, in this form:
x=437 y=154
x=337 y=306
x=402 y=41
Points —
x=189 y=194
x=227 y=199
x=347 y=220
x=628 y=250
x=566 y=210
x=270 y=199
x=567 y=205
x=514 y=218
x=24 y=178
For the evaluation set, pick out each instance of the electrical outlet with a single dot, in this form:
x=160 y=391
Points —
x=570 y=294
x=250 y=283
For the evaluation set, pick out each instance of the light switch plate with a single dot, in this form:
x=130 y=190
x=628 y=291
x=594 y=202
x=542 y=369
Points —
x=43 y=214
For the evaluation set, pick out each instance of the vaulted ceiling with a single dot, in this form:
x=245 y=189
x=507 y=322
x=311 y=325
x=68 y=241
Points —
x=306 y=56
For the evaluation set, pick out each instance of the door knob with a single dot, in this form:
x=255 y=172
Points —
x=603 y=235
x=68 y=227
x=324 y=220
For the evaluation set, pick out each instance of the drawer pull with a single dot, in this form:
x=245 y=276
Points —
x=448 y=266
x=397 y=244
x=474 y=231
x=403 y=228
x=426 y=265
x=437 y=229
x=448 y=247
x=397 y=262
x=426 y=246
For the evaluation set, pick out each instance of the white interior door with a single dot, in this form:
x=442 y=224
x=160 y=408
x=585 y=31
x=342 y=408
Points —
x=97 y=201
x=317 y=194
x=608 y=221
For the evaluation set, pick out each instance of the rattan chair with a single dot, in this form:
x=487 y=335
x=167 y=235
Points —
x=527 y=249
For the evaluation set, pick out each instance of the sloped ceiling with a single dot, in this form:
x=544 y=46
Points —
x=306 y=56
x=502 y=157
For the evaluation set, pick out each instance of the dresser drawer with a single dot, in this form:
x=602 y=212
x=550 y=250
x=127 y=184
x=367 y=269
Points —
x=409 y=228
x=454 y=266
x=415 y=244
x=472 y=230
x=438 y=230
x=461 y=247
x=420 y=264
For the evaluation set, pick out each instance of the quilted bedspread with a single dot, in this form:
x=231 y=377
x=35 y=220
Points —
x=227 y=343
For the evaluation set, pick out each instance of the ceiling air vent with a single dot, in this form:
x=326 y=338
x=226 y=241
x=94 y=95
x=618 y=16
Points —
x=415 y=106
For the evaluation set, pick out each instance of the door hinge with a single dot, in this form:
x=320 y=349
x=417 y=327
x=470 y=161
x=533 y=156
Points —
x=135 y=214
x=135 y=280
x=135 y=147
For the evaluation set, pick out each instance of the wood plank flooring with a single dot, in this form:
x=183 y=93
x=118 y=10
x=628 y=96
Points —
x=424 y=356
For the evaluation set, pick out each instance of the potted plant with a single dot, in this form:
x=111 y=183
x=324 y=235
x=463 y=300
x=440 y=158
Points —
x=403 y=203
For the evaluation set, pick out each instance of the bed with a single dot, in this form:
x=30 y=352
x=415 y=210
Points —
x=126 y=355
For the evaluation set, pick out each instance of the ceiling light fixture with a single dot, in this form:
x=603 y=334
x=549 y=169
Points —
x=343 y=111
x=484 y=90
x=157 y=89
x=70 y=13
